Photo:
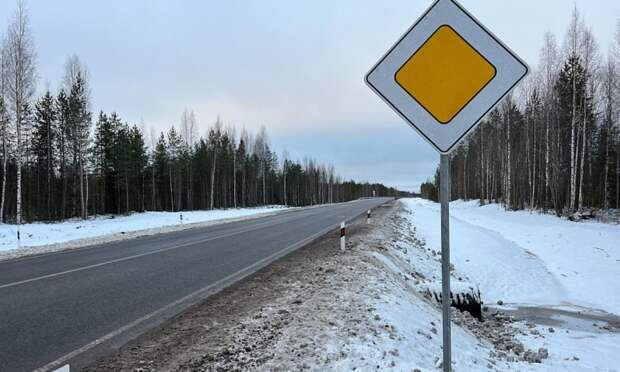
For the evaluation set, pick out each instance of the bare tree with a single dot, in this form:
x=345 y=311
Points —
x=591 y=63
x=4 y=121
x=506 y=108
x=609 y=86
x=20 y=61
x=572 y=42
x=189 y=127
x=232 y=134
x=615 y=57
x=76 y=83
x=214 y=143
x=262 y=150
x=549 y=68
x=189 y=133
x=153 y=144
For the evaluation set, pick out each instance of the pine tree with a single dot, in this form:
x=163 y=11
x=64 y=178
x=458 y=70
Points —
x=103 y=159
x=79 y=131
x=570 y=90
x=44 y=139
x=175 y=147
x=64 y=116
x=160 y=164
x=214 y=146
x=241 y=158
x=138 y=160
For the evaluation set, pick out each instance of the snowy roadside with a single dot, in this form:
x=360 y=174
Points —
x=555 y=280
x=323 y=310
x=40 y=238
x=525 y=258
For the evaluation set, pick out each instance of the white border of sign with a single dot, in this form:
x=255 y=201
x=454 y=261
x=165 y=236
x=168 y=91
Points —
x=510 y=70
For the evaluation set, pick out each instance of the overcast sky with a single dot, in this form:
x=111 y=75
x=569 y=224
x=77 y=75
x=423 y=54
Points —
x=296 y=67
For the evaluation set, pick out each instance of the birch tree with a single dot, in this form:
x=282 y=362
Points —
x=572 y=40
x=610 y=113
x=79 y=123
x=590 y=56
x=549 y=69
x=261 y=148
x=20 y=62
x=4 y=120
x=556 y=146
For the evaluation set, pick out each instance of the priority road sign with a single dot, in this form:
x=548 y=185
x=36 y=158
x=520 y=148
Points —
x=445 y=74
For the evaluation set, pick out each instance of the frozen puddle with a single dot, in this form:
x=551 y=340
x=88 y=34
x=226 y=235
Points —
x=585 y=320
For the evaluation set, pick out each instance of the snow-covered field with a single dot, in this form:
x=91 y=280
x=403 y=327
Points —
x=77 y=230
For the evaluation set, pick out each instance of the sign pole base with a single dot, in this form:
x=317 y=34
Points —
x=444 y=196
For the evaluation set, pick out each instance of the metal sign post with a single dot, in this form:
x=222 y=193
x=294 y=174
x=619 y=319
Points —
x=442 y=77
x=444 y=195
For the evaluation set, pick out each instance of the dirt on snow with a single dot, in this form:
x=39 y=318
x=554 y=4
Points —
x=305 y=311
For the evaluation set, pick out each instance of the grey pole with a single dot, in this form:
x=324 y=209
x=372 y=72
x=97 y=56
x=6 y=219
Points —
x=444 y=196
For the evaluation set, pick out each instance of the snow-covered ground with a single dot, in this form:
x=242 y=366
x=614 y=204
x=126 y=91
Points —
x=560 y=277
x=366 y=309
x=525 y=258
x=77 y=230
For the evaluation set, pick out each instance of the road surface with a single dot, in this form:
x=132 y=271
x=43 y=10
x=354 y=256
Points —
x=73 y=306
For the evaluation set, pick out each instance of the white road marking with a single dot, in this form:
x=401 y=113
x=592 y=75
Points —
x=82 y=268
x=215 y=223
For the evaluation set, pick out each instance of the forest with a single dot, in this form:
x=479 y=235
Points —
x=554 y=143
x=59 y=160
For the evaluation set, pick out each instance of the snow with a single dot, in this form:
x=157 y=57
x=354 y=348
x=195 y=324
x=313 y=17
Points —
x=417 y=336
x=77 y=230
x=367 y=308
x=561 y=275
x=525 y=258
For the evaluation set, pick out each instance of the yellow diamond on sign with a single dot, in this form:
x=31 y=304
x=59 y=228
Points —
x=445 y=74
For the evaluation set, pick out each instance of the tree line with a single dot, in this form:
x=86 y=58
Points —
x=60 y=161
x=555 y=143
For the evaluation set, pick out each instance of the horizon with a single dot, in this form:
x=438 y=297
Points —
x=265 y=64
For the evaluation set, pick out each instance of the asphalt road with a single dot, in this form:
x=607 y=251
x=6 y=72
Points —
x=73 y=306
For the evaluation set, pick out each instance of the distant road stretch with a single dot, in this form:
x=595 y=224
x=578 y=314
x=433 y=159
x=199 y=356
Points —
x=72 y=306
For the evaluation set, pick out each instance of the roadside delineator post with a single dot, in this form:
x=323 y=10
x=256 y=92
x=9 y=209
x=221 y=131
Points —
x=368 y=217
x=181 y=218
x=343 y=234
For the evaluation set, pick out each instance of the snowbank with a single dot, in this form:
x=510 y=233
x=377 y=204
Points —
x=525 y=258
x=514 y=257
x=46 y=234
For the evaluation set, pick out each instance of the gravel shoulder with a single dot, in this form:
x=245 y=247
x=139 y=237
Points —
x=273 y=320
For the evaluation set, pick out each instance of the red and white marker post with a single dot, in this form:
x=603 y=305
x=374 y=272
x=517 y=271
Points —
x=343 y=235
